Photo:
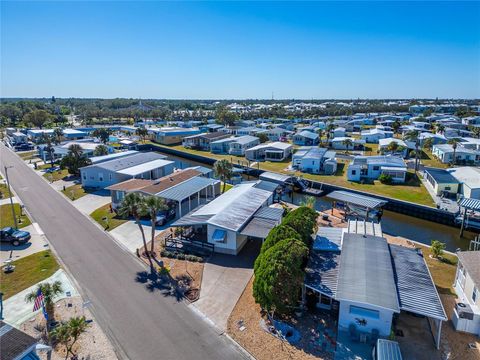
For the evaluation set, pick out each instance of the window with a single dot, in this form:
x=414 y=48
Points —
x=84 y=176
x=354 y=172
x=360 y=311
x=474 y=295
x=110 y=176
x=100 y=176
x=376 y=168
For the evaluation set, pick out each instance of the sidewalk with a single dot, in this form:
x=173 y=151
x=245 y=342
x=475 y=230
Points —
x=16 y=310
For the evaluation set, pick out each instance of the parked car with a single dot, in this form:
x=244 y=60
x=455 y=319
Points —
x=165 y=216
x=14 y=236
x=24 y=147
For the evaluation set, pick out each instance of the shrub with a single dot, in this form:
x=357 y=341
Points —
x=437 y=248
x=278 y=233
x=385 y=179
x=279 y=275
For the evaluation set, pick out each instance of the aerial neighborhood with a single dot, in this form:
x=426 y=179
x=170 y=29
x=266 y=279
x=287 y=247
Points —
x=229 y=187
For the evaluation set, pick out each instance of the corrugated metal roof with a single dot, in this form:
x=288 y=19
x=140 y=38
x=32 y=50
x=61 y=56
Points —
x=471 y=262
x=187 y=188
x=366 y=273
x=321 y=273
x=388 y=350
x=416 y=290
x=238 y=212
x=363 y=227
x=356 y=199
x=98 y=159
x=266 y=185
x=128 y=161
x=270 y=213
x=328 y=239
x=274 y=177
x=259 y=228
x=471 y=204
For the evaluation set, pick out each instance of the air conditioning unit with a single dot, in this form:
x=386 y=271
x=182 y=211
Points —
x=464 y=311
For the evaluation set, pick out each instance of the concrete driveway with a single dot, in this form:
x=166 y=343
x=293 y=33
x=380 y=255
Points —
x=129 y=237
x=37 y=243
x=224 y=279
x=90 y=202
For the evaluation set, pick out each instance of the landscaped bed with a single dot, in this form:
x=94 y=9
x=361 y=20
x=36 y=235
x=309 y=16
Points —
x=28 y=271
x=6 y=216
x=108 y=219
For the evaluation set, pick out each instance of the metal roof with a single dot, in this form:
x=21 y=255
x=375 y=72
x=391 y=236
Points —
x=366 y=273
x=471 y=262
x=128 y=161
x=328 y=239
x=274 y=177
x=321 y=273
x=246 y=139
x=238 y=212
x=191 y=219
x=471 y=204
x=187 y=188
x=441 y=176
x=356 y=199
x=147 y=166
x=266 y=185
x=270 y=213
x=363 y=227
x=388 y=350
x=259 y=227
x=308 y=134
x=416 y=290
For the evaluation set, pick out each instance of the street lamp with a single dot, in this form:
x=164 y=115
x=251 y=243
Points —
x=11 y=196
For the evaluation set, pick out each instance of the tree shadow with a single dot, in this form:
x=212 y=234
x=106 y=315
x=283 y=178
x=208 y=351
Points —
x=162 y=283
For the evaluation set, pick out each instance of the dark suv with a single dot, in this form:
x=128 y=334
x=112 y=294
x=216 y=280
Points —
x=165 y=216
x=14 y=236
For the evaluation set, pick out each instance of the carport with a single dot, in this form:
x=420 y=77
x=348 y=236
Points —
x=262 y=222
x=356 y=204
x=417 y=293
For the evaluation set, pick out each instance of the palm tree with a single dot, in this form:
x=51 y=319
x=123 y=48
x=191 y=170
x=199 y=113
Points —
x=68 y=333
x=393 y=147
x=142 y=133
x=49 y=291
x=134 y=205
x=152 y=205
x=57 y=136
x=309 y=201
x=223 y=170
x=440 y=128
x=320 y=135
x=329 y=129
x=396 y=126
x=427 y=143
x=100 y=150
x=454 y=142
x=347 y=142
x=412 y=135
x=476 y=131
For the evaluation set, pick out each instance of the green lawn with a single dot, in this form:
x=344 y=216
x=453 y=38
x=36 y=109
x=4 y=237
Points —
x=112 y=220
x=45 y=166
x=443 y=271
x=74 y=192
x=413 y=190
x=6 y=216
x=28 y=271
x=27 y=154
x=56 y=175
x=5 y=194
x=427 y=159
x=227 y=186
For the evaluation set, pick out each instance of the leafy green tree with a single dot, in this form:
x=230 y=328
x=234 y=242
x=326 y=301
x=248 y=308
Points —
x=67 y=334
x=437 y=248
x=74 y=160
x=279 y=275
x=143 y=133
x=134 y=205
x=225 y=117
x=476 y=131
x=37 y=118
x=224 y=171
x=102 y=133
x=10 y=114
x=304 y=221
x=412 y=135
x=279 y=233
x=152 y=205
x=396 y=126
x=57 y=136
x=262 y=137
x=348 y=143
x=50 y=291
x=385 y=179
x=427 y=143
x=100 y=150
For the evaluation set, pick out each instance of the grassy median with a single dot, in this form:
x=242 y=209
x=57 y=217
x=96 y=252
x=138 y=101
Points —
x=28 y=271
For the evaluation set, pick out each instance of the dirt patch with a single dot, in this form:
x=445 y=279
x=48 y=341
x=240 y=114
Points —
x=91 y=345
x=454 y=343
x=247 y=316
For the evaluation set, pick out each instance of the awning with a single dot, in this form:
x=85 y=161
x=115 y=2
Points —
x=321 y=273
x=219 y=235
x=259 y=228
x=470 y=204
x=356 y=199
x=274 y=177
x=187 y=188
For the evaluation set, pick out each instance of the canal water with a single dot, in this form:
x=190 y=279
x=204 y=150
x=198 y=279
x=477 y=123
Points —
x=393 y=223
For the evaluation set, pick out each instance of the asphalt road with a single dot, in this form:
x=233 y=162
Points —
x=141 y=323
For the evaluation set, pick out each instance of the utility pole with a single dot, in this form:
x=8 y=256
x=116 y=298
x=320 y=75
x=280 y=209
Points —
x=11 y=195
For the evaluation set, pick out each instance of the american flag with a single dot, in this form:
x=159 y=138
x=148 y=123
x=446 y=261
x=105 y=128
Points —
x=38 y=300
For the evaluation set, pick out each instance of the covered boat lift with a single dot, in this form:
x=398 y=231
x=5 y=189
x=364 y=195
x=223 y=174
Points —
x=472 y=206
x=357 y=205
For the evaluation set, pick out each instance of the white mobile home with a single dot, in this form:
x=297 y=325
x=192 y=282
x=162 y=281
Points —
x=242 y=143
x=371 y=167
x=311 y=159
x=276 y=151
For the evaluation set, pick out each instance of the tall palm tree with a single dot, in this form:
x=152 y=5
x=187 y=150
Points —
x=454 y=142
x=329 y=129
x=320 y=135
x=152 y=205
x=134 y=205
x=223 y=170
x=393 y=147
x=101 y=150
x=440 y=128
x=412 y=135
x=396 y=126
x=50 y=149
x=49 y=291
x=476 y=131
x=347 y=142
x=57 y=136
x=142 y=133
x=427 y=143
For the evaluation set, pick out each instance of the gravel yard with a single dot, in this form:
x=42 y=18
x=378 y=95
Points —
x=92 y=345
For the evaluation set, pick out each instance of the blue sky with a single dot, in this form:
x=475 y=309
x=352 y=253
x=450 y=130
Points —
x=227 y=50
